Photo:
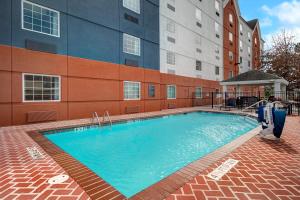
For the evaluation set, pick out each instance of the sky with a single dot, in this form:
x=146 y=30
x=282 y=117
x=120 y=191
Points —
x=274 y=15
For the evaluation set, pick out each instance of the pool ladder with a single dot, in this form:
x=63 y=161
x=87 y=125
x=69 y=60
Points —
x=105 y=116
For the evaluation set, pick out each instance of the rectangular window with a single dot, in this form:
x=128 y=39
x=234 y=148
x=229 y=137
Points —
x=216 y=27
x=198 y=93
x=241 y=44
x=241 y=28
x=40 y=19
x=133 y=5
x=131 y=44
x=230 y=37
x=171 y=92
x=38 y=87
x=217 y=49
x=249 y=50
x=217 y=5
x=231 y=74
x=171 y=58
x=217 y=70
x=198 y=14
x=249 y=63
x=132 y=90
x=171 y=26
x=249 y=35
x=230 y=56
x=230 y=18
x=151 y=90
x=198 y=65
x=241 y=60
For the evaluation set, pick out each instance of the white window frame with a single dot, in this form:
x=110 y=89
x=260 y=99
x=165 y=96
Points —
x=231 y=18
x=132 y=99
x=168 y=92
x=41 y=101
x=136 y=39
x=126 y=5
x=217 y=27
x=230 y=37
x=198 y=14
x=22 y=18
x=201 y=96
x=217 y=5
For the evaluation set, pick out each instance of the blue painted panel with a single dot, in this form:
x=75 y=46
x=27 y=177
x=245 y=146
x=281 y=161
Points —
x=156 y=2
x=91 y=41
x=19 y=35
x=59 y=5
x=151 y=22
x=104 y=12
x=129 y=27
x=5 y=22
x=151 y=55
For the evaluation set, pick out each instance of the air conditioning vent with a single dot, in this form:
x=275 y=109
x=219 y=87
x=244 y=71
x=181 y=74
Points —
x=131 y=62
x=131 y=18
x=40 y=46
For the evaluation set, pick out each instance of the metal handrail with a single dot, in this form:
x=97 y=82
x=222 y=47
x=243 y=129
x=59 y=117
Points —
x=106 y=113
x=95 y=115
x=254 y=104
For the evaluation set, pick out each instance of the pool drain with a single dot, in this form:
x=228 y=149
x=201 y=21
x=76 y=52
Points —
x=58 y=179
x=34 y=153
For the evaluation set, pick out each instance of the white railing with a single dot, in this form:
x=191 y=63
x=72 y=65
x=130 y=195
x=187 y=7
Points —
x=261 y=101
x=106 y=114
x=95 y=116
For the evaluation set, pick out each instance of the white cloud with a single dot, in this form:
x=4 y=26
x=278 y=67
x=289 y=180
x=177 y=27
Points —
x=288 y=15
x=266 y=22
x=286 y=12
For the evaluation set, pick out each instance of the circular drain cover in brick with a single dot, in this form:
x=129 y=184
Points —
x=58 y=179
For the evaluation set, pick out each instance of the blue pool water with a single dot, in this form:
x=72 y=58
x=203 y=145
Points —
x=134 y=155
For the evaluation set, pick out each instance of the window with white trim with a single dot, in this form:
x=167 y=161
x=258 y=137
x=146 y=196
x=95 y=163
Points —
x=40 y=19
x=171 y=92
x=198 y=92
x=132 y=90
x=170 y=58
x=231 y=18
x=230 y=55
x=133 y=5
x=230 y=37
x=217 y=5
x=198 y=14
x=37 y=87
x=131 y=44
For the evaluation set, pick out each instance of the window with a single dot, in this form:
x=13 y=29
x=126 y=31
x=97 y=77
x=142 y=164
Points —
x=230 y=56
x=249 y=50
x=198 y=14
x=171 y=26
x=171 y=92
x=249 y=35
x=40 y=19
x=217 y=30
x=230 y=18
x=217 y=70
x=131 y=44
x=217 y=5
x=241 y=28
x=241 y=60
x=249 y=63
x=198 y=65
x=133 y=5
x=132 y=90
x=241 y=44
x=171 y=58
x=230 y=37
x=38 y=87
x=198 y=93
x=217 y=49
x=230 y=74
x=151 y=90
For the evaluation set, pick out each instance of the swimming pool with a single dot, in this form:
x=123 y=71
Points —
x=132 y=156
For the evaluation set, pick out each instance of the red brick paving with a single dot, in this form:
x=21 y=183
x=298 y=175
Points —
x=267 y=169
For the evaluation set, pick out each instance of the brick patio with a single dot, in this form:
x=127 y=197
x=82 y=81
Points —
x=267 y=169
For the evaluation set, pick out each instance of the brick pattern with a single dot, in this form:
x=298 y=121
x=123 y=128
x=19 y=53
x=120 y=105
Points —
x=268 y=169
